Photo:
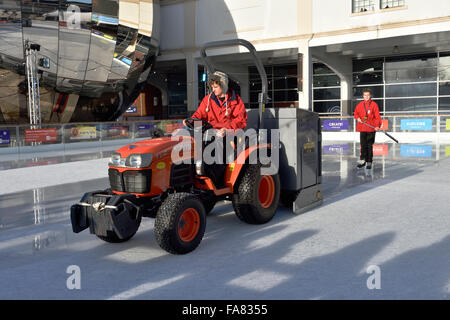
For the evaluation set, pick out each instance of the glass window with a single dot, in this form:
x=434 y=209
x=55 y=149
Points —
x=327 y=106
x=385 y=4
x=368 y=65
x=326 y=81
x=286 y=70
x=444 y=104
x=363 y=5
x=281 y=96
x=368 y=78
x=320 y=68
x=410 y=105
x=411 y=68
x=327 y=94
x=282 y=85
x=377 y=91
x=411 y=90
x=444 y=66
x=285 y=83
x=444 y=89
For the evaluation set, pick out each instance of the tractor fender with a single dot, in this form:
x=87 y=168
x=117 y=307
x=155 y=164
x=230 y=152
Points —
x=235 y=168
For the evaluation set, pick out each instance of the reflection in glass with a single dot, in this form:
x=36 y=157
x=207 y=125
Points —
x=411 y=68
x=327 y=94
x=92 y=64
x=12 y=84
x=444 y=66
x=413 y=104
x=103 y=39
x=327 y=106
x=411 y=90
x=444 y=104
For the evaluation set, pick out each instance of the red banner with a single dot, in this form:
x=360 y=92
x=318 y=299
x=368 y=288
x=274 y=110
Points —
x=40 y=135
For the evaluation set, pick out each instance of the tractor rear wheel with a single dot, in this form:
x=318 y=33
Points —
x=180 y=223
x=256 y=196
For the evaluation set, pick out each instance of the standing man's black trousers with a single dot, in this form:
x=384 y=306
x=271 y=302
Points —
x=367 y=140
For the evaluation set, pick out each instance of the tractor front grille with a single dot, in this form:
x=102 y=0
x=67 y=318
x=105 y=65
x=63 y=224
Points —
x=131 y=181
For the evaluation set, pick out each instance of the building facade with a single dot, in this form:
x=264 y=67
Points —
x=318 y=54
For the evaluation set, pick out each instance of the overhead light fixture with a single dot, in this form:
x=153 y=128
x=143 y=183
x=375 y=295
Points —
x=396 y=50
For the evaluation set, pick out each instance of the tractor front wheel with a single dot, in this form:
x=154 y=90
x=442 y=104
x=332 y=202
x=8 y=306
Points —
x=256 y=196
x=180 y=223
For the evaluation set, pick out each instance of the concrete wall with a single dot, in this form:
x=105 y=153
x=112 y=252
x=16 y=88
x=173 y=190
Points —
x=334 y=22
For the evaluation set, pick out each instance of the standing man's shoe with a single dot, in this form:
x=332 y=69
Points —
x=369 y=165
x=361 y=164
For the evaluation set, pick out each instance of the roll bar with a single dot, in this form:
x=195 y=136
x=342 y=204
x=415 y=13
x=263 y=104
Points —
x=262 y=97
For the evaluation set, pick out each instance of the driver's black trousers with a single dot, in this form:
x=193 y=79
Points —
x=216 y=171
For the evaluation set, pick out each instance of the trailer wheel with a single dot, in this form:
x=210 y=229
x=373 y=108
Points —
x=180 y=223
x=113 y=238
x=256 y=196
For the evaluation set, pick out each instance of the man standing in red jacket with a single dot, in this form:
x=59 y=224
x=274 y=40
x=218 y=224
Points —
x=224 y=110
x=367 y=112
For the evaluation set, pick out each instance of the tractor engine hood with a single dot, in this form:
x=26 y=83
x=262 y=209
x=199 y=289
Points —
x=141 y=153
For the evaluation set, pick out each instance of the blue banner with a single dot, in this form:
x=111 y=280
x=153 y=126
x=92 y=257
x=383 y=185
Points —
x=336 y=149
x=417 y=124
x=416 y=151
x=335 y=125
x=4 y=137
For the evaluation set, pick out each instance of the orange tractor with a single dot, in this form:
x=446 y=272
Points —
x=146 y=182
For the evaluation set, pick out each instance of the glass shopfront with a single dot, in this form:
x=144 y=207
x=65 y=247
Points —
x=418 y=83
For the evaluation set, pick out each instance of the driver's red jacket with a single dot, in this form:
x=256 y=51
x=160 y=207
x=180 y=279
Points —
x=229 y=114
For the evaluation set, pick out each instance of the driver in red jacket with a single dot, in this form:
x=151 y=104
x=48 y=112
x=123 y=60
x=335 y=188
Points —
x=224 y=110
x=367 y=112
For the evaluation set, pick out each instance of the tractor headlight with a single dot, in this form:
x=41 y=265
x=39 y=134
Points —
x=115 y=160
x=139 y=160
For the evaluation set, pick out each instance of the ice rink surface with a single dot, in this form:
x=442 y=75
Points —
x=395 y=216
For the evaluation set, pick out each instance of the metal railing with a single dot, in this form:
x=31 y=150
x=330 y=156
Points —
x=392 y=123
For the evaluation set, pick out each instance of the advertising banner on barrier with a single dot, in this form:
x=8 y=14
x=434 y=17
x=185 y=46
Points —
x=385 y=125
x=416 y=151
x=417 y=124
x=143 y=130
x=115 y=131
x=83 y=133
x=447 y=151
x=447 y=124
x=41 y=135
x=336 y=149
x=5 y=137
x=335 y=125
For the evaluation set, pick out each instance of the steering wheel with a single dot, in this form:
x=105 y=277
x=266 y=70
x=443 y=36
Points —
x=191 y=121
